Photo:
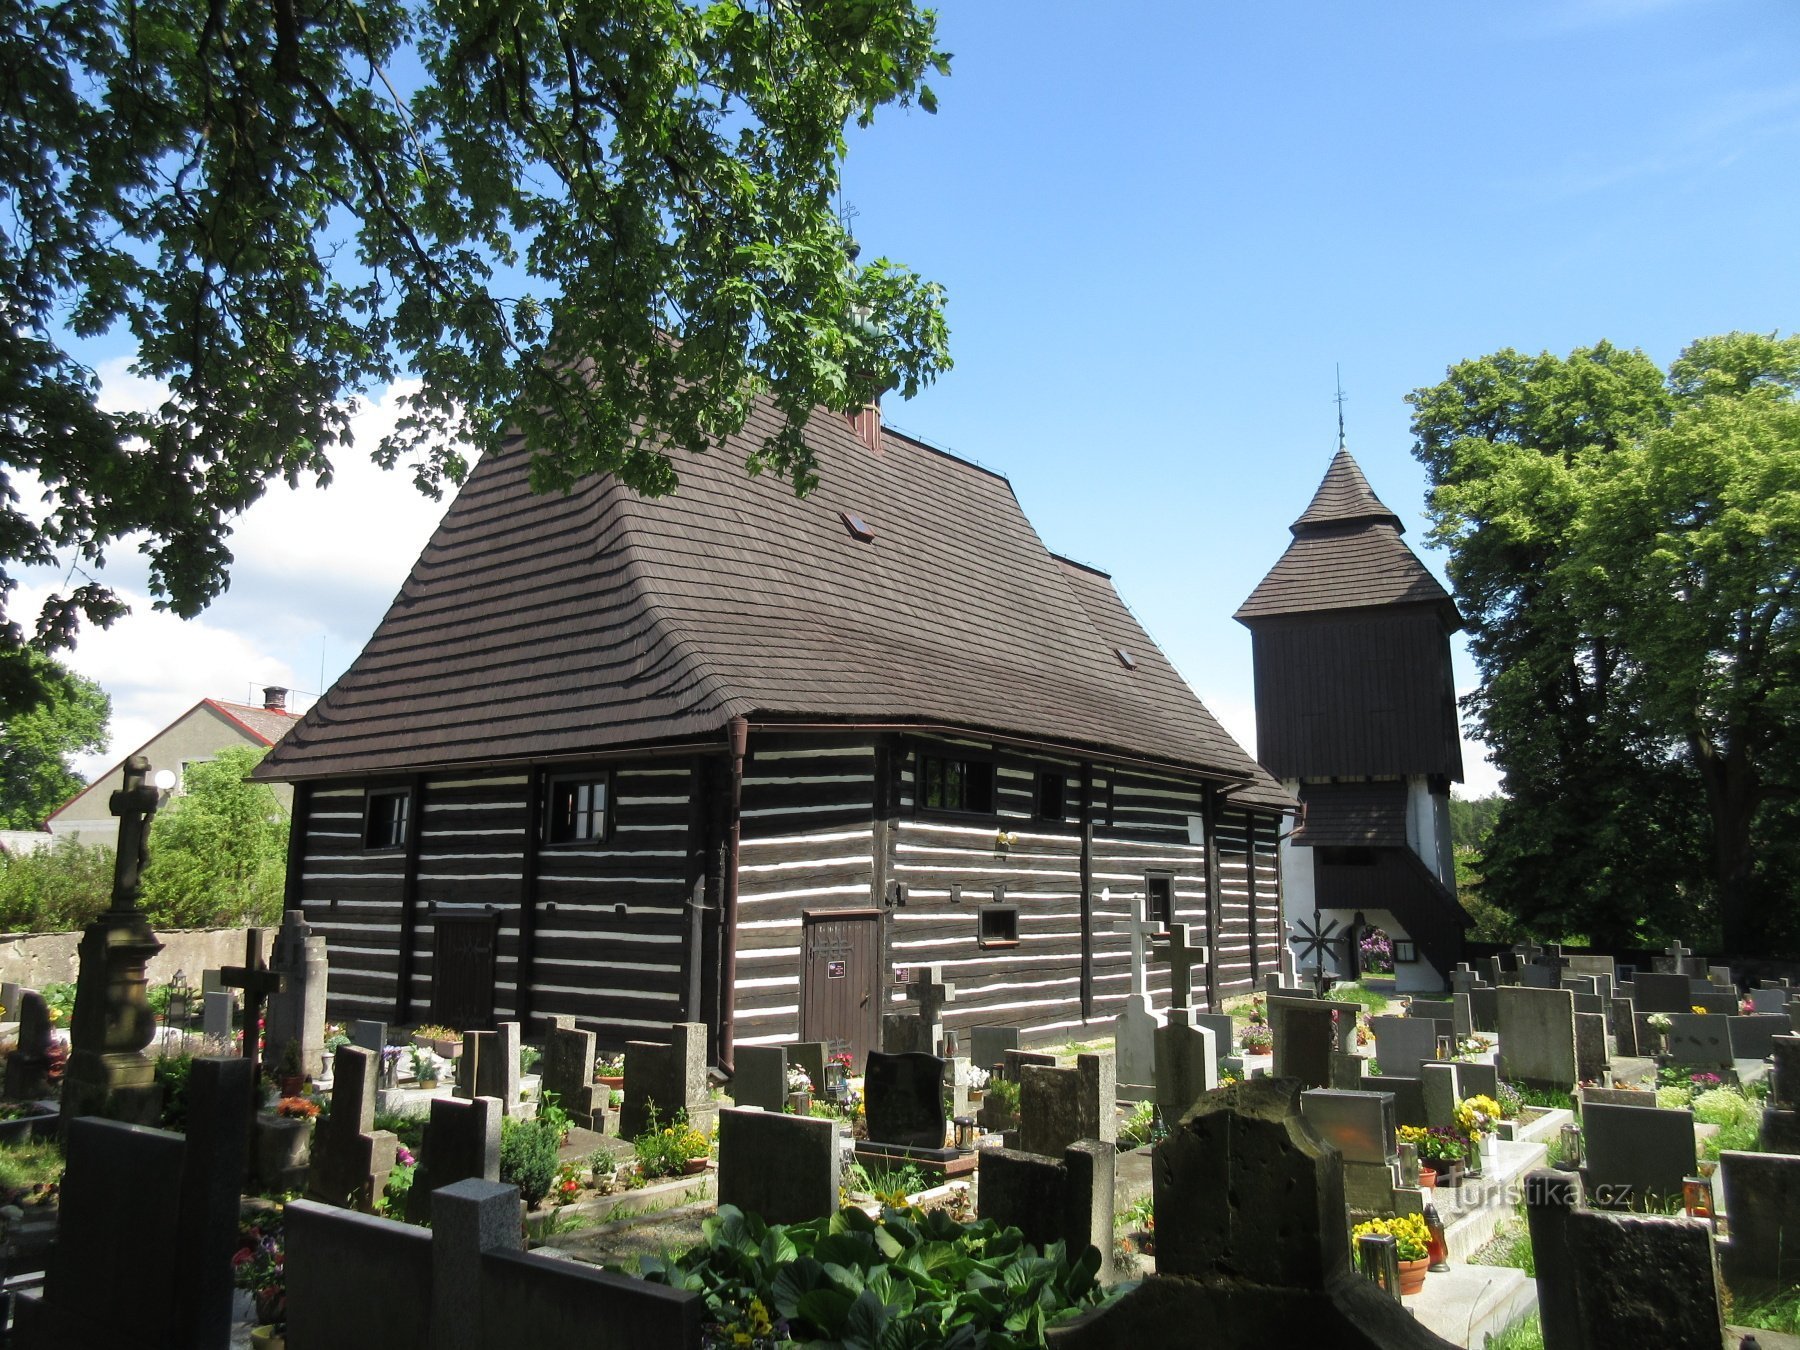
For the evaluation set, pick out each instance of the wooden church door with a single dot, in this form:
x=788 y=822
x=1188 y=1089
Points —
x=840 y=982
x=462 y=971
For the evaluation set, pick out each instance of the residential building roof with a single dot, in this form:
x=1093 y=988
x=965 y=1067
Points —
x=908 y=589
x=1346 y=554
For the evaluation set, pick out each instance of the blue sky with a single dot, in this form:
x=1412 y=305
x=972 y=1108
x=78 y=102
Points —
x=1161 y=226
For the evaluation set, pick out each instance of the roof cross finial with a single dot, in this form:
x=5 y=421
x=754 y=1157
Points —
x=1339 y=400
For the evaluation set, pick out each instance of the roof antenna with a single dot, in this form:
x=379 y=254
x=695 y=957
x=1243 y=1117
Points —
x=1339 y=400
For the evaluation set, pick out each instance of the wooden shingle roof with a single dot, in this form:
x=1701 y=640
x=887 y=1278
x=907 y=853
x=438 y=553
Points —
x=1352 y=815
x=1346 y=554
x=535 y=626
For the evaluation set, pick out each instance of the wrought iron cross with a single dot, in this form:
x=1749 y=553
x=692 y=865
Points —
x=258 y=982
x=1315 y=940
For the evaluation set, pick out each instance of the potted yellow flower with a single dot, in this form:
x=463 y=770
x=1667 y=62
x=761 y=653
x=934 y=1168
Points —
x=1412 y=1246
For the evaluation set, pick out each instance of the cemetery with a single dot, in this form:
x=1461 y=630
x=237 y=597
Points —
x=1376 y=1168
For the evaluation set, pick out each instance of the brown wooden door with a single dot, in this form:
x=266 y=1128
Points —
x=462 y=970
x=840 y=982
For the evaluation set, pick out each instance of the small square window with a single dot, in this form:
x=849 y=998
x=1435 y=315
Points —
x=576 y=810
x=1052 y=800
x=386 y=816
x=1405 y=952
x=999 y=926
x=1159 y=888
x=946 y=784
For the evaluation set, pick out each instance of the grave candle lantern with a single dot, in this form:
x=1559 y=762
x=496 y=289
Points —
x=1571 y=1148
x=965 y=1133
x=1697 y=1197
x=1437 y=1246
x=1377 y=1256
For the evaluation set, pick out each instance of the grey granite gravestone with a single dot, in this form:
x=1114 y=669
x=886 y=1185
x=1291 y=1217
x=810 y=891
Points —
x=351 y=1159
x=1636 y=1156
x=369 y=1035
x=220 y=1105
x=28 y=1066
x=1591 y=1060
x=1135 y=1034
x=1658 y=992
x=671 y=1078
x=1492 y=971
x=1067 y=1199
x=1603 y=966
x=1768 y=1000
x=1761 y=1193
x=1484 y=1010
x=219 y=1008
x=1581 y=984
x=1701 y=1039
x=462 y=1143
x=1784 y=1079
x=903 y=1100
x=1438 y=1082
x=988 y=1045
x=1474 y=1079
x=469 y=1220
x=1359 y=1125
x=296 y=1011
x=1538 y=977
x=1408 y=1095
x=1464 y=1016
x=1222 y=1026
x=1753 y=1037
x=1187 y=1062
x=567 y=1073
x=1015 y=1061
x=497 y=1070
x=760 y=1079
x=1615 y=1097
x=9 y=1000
x=784 y=1168
x=1058 y=1107
x=1643 y=1280
x=809 y=1056
x=1440 y=1011
x=1304 y=1038
x=1537 y=1037
x=1625 y=1028
x=1717 y=1002
x=1402 y=1044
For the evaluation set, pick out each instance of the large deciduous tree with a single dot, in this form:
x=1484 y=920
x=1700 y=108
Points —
x=218 y=851
x=1626 y=547
x=37 y=744
x=605 y=224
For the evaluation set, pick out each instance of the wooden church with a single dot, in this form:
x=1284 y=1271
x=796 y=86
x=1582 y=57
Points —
x=1356 y=714
x=735 y=757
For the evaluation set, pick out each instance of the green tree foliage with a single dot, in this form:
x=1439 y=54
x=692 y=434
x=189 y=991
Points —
x=606 y=224
x=1626 y=547
x=218 y=851
x=1471 y=818
x=54 y=890
x=36 y=743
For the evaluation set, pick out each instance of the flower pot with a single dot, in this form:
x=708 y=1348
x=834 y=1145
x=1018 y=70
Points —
x=1427 y=1178
x=801 y=1102
x=612 y=1080
x=290 y=1084
x=1412 y=1275
x=268 y=1338
x=693 y=1165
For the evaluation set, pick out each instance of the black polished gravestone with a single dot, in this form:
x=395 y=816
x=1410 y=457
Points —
x=903 y=1101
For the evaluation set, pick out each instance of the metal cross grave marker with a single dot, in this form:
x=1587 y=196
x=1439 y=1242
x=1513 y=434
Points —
x=258 y=982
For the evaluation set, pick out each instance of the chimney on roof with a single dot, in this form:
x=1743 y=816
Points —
x=274 y=698
x=866 y=423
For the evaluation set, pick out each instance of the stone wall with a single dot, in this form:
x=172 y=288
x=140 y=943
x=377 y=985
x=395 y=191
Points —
x=38 y=959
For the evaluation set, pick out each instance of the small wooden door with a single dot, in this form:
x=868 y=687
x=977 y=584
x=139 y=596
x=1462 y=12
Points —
x=840 y=982
x=462 y=970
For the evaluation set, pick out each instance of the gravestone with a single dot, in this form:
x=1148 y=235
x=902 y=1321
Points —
x=1360 y=1125
x=496 y=1066
x=1643 y=1280
x=296 y=1010
x=1402 y=1044
x=1304 y=1039
x=1014 y=1062
x=1657 y=992
x=1493 y=972
x=1538 y=977
x=1721 y=976
x=783 y=1168
x=671 y=1078
x=988 y=1045
x=1464 y=1016
x=1439 y=1011
x=1463 y=978
x=1624 y=1027
x=1781 y=1118
x=1581 y=984
x=1753 y=1037
x=219 y=1006
x=462 y=1142
x=1717 y=1002
x=369 y=1035
x=351 y=1159
x=1439 y=1084
x=1591 y=1061
x=1637 y=1156
x=903 y=1100
x=1474 y=1079
x=1183 y=953
x=1484 y=1010
x=9 y=1000
x=1135 y=1028
x=567 y=1073
x=919 y=1032
x=1059 y=1107
x=1067 y=1199
x=810 y=1056
x=1605 y=968
x=1762 y=1198
x=28 y=1067
x=1537 y=1038
x=1615 y=1097
x=1771 y=1000
x=1187 y=1061
x=1700 y=1039
x=1408 y=1095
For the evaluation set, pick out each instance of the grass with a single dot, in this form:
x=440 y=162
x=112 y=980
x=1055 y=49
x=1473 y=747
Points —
x=1742 y=1136
x=1777 y=1312
x=1511 y=1246
x=410 y=1129
x=1371 y=1001
x=34 y=1162
x=1554 y=1099
x=1526 y=1335
x=904 y=1180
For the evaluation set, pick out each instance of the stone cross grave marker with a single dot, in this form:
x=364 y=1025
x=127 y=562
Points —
x=257 y=982
x=1527 y=952
x=568 y=1071
x=351 y=1159
x=297 y=1009
x=1678 y=957
x=1182 y=953
x=1135 y=1028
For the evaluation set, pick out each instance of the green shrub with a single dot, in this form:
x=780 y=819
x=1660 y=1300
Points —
x=909 y=1279
x=1740 y=1136
x=172 y=1077
x=528 y=1157
x=1674 y=1098
x=1723 y=1106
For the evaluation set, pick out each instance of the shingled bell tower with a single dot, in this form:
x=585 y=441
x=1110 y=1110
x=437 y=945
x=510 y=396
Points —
x=1356 y=714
